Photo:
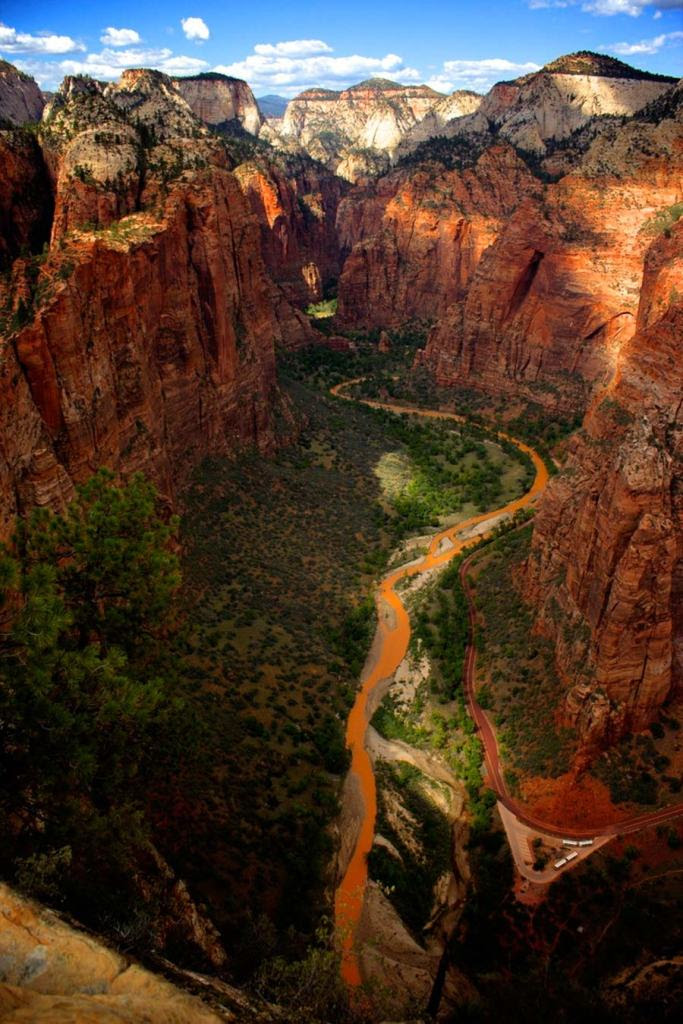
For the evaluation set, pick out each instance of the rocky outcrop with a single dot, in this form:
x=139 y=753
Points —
x=221 y=101
x=296 y=203
x=373 y=115
x=53 y=973
x=145 y=338
x=25 y=197
x=606 y=567
x=555 y=297
x=20 y=98
x=552 y=103
x=418 y=235
x=458 y=104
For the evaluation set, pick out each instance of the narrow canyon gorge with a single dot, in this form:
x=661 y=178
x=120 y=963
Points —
x=245 y=309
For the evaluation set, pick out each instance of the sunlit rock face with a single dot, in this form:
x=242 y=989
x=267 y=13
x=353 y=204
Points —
x=296 y=202
x=568 y=293
x=554 y=299
x=436 y=120
x=417 y=236
x=356 y=131
x=220 y=101
x=53 y=973
x=545 y=107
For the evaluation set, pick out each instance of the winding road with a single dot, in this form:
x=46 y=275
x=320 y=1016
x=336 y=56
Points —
x=390 y=647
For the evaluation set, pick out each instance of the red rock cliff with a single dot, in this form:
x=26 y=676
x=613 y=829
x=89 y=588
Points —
x=417 y=236
x=143 y=341
x=296 y=203
x=606 y=566
x=555 y=297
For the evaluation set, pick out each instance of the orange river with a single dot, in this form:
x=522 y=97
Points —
x=394 y=635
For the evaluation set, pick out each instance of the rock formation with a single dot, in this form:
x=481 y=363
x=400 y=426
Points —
x=459 y=104
x=145 y=338
x=53 y=973
x=417 y=236
x=552 y=103
x=606 y=567
x=371 y=116
x=296 y=202
x=221 y=102
x=20 y=98
x=556 y=296
x=26 y=204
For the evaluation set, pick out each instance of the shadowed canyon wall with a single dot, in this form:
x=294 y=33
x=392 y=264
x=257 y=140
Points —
x=145 y=338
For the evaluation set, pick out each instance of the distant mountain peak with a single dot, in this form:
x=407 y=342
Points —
x=586 y=62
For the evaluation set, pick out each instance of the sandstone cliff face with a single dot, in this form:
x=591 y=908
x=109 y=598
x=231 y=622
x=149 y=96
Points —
x=458 y=104
x=417 y=236
x=555 y=297
x=296 y=203
x=564 y=95
x=551 y=106
x=606 y=568
x=52 y=973
x=220 y=101
x=20 y=98
x=146 y=338
x=373 y=115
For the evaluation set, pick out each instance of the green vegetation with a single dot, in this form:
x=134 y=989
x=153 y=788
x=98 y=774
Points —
x=279 y=559
x=322 y=310
x=441 y=630
x=322 y=367
x=664 y=220
x=528 y=421
x=454 y=154
x=91 y=716
x=635 y=771
x=308 y=989
x=517 y=666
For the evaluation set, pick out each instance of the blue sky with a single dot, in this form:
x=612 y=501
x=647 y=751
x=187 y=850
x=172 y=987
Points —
x=281 y=47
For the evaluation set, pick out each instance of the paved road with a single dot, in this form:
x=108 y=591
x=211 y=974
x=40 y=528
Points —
x=390 y=646
x=496 y=780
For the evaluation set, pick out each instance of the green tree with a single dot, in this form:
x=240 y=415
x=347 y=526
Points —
x=88 y=672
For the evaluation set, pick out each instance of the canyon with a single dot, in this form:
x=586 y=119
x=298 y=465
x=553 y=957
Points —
x=161 y=240
x=102 y=378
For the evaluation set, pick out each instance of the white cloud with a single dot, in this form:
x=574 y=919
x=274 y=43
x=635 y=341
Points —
x=478 y=75
x=195 y=28
x=12 y=41
x=608 y=8
x=119 y=37
x=292 y=48
x=272 y=68
x=646 y=45
x=108 y=65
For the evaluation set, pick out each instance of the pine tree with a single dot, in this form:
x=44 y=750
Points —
x=89 y=712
